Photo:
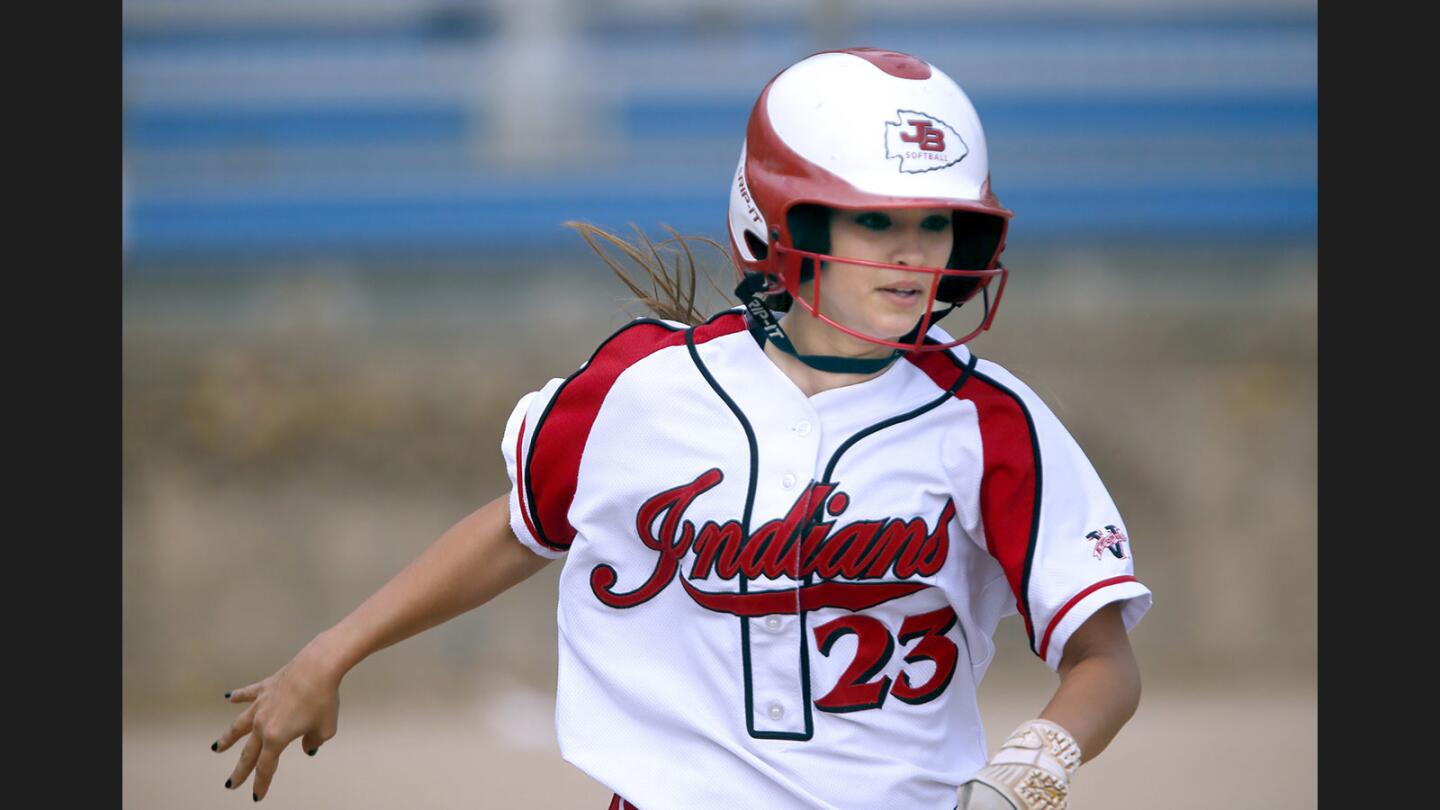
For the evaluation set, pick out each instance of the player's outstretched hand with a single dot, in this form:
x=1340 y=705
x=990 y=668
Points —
x=302 y=699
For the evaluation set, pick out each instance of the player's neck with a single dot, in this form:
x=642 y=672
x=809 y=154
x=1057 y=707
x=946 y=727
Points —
x=811 y=336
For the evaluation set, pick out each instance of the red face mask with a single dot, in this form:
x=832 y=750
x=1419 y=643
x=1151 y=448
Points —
x=789 y=263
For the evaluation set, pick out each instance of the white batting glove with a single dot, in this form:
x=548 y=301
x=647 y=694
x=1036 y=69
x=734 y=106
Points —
x=1031 y=771
x=980 y=796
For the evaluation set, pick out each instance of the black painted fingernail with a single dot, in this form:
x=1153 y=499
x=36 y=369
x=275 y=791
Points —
x=312 y=751
x=215 y=746
x=255 y=797
x=227 y=695
x=227 y=784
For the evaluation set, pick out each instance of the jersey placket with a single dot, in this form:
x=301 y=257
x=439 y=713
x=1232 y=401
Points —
x=775 y=646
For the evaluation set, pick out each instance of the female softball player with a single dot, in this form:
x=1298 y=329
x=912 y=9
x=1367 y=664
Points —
x=789 y=531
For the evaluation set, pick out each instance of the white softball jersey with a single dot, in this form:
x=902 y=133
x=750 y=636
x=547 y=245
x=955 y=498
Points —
x=780 y=601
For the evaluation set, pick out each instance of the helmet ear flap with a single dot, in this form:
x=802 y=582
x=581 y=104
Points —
x=977 y=242
x=809 y=231
x=757 y=246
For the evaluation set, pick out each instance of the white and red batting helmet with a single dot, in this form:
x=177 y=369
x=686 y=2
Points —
x=862 y=129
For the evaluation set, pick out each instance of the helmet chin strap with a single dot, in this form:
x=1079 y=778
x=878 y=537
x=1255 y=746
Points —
x=765 y=326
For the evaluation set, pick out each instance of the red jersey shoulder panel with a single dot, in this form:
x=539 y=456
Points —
x=1011 y=480
x=551 y=469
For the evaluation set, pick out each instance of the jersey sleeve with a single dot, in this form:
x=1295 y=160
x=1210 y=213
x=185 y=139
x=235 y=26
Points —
x=530 y=494
x=547 y=433
x=1048 y=519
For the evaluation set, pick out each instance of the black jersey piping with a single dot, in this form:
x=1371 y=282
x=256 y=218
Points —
x=954 y=388
x=1035 y=510
x=745 y=528
x=539 y=423
x=965 y=371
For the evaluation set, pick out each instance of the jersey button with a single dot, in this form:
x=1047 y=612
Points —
x=802 y=427
x=773 y=624
x=776 y=711
x=788 y=480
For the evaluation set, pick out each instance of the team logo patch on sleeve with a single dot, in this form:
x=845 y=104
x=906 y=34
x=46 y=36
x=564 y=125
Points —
x=1110 y=539
x=922 y=142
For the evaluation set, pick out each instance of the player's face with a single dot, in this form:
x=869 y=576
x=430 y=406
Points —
x=880 y=302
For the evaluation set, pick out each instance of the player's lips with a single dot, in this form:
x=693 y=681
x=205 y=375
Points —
x=903 y=294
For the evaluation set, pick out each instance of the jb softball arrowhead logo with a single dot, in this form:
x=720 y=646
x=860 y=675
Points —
x=922 y=142
x=1110 y=538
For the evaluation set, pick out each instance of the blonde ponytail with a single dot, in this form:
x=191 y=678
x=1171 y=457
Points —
x=673 y=287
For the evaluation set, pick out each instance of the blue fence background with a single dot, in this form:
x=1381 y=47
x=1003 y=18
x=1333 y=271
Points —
x=379 y=126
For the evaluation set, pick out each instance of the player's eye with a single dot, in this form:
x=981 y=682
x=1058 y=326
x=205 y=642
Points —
x=874 y=220
x=935 y=222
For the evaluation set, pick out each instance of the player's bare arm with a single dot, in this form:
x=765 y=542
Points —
x=1099 y=682
x=1099 y=692
x=471 y=563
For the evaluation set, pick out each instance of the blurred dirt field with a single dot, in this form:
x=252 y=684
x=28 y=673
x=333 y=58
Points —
x=294 y=437
x=1182 y=751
